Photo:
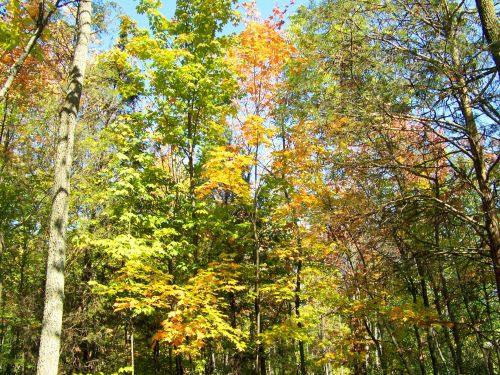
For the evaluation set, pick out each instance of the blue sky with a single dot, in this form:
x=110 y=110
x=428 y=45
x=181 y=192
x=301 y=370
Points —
x=265 y=7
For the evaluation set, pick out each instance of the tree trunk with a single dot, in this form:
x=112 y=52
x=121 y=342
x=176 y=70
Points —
x=488 y=201
x=425 y=299
x=42 y=22
x=50 y=340
x=457 y=351
x=14 y=70
x=297 y=313
x=2 y=301
x=132 y=355
x=260 y=360
x=260 y=365
x=400 y=350
x=491 y=28
x=179 y=367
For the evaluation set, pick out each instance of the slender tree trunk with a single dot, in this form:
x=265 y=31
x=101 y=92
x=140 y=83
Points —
x=457 y=338
x=132 y=355
x=42 y=22
x=487 y=197
x=191 y=128
x=4 y=118
x=50 y=341
x=425 y=299
x=1 y=274
x=156 y=358
x=491 y=28
x=179 y=367
x=170 y=360
x=418 y=337
x=2 y=238
x=420 y=348
x=260 y=366
x=455 y=351
x=495 y=348
x=2 y=301
x=234 y=360
x=260 y=360
x=488 y=201
x=402 y=353
x=298 y=280
x=297 y=313
x=14 y=70
x=380 y=362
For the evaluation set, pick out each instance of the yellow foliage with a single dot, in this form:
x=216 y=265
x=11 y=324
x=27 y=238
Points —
x=259 y=59
x=224 y=171
x=255 y=132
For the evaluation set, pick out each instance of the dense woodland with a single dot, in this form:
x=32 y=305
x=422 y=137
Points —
x=225 y=192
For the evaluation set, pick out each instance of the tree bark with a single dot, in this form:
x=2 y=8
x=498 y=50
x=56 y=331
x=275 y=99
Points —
x=491 y=28
x=50 y=341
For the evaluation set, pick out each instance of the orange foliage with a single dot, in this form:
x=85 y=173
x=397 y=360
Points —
x=259 y=59
x=43 y=71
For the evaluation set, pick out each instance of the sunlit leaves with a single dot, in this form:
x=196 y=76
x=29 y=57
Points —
x=224 y=171
x=259 y=59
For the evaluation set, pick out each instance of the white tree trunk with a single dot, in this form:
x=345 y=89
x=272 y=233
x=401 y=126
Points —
x=50 y=341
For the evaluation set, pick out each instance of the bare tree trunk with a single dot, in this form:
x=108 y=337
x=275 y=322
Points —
x=302 y=357
x=491 y=28
x=50 y=340
x=260 y=360
x=260 y=364
x=132 y=356
x=1 y=273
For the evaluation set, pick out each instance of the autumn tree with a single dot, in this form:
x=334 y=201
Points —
x=19 y=17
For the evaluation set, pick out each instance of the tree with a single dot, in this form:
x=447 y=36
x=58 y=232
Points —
x=258 y=59
x=460 y=114
x=50 y=340
x=42 y=13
